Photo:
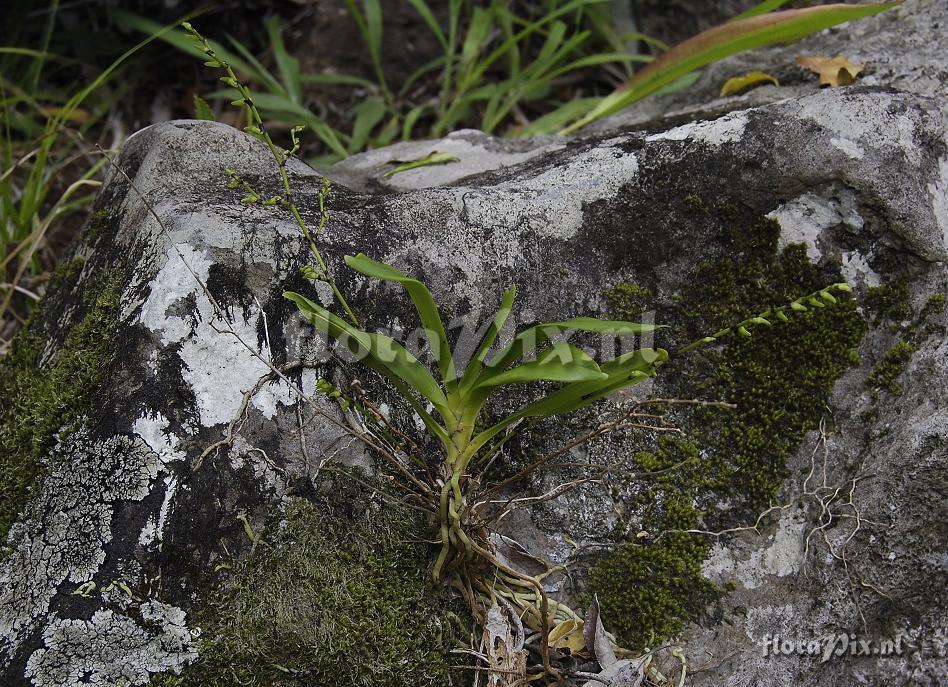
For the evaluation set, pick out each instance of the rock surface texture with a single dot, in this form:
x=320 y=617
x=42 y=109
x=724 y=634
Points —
x=109 y=570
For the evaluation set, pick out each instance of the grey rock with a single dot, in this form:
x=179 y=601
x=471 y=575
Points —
x=859 y=174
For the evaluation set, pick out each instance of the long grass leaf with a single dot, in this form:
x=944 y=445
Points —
x=762 y=8
x=288 y=66
x=725 y=40
x=368 y=114
x=424 y=11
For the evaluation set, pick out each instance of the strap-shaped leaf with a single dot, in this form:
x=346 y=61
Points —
x=380 y=352
x=530 y=339
x=424 y=304
x=490 y=336
x=752 y=31
x=622 y=372
x=561 y=362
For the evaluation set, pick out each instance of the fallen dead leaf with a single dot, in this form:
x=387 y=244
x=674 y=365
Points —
x=833 y=71
x=568 y=635
x=596 y=639
x=744 y=82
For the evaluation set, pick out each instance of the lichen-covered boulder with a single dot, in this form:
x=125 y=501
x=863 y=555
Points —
x=172 y=509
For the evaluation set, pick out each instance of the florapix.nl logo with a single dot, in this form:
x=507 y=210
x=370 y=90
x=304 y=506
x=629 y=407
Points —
x=833 y=646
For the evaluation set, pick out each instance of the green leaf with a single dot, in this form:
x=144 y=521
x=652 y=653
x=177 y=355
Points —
x=530 y=339
x=428 y=17
x=411 y=119
x=561 y=362
x=337 y=80
x=368 y=114
x=424 y=304
x=476 y=36
x=281 y=108
x=369 y=22
x=260 y=73
x=288 y=65
x=722 y=41
x=432 y=158
x=551 y=122
x=476 y=363
x=736 y=84
x=762 y=8
x=379 y=352
x=202 y=110
x=622 y=372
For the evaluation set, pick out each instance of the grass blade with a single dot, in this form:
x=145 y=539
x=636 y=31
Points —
x=288 y=66
x=368 y=114
x=725 y=40
x=762 y=8
x=428 y=17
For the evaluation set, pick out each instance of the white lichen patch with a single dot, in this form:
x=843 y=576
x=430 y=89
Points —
x=271 y=396
x=848 y=146
x=782 y=557
x=856 y=269
x=111 y=648
x=153 y=429
x=217 y=363
x=727 y=129
x=63 y=535
x=865 y=123
x=806 y=217
x=171 y=286
x=244 y=455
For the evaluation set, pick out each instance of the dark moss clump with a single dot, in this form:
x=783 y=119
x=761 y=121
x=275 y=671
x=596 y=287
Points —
x=935 y=304
x=627 y=300
x=779 y=378
x=648 y=589
x=889 y=301
x=43 y=397
x=327 y=599
x=885 y=375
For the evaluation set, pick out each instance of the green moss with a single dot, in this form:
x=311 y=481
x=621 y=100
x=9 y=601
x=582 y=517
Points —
x=43 y=397
x=332 y=595
x=934 y=305
x=100 y=223
x=627 y=301
x=886 y=373
x=889 y=301
x=647 y=590
x=779 y=378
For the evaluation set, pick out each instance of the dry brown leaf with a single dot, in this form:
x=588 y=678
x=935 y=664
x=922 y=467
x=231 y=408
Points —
x=833 y=71
x=502 y=644
x=595 y=637
x=568 y=634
